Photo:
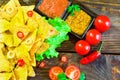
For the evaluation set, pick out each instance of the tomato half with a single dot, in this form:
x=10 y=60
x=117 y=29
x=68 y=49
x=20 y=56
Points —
x=72 y=72
x=54 y=71
x=82 y=47
x=102 y=23
x=93 y=36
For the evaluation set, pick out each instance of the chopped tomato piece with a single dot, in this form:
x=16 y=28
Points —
x=64 y=59
x=30 y=13
x=54 y=71
x=20 y=62
x=72 y=72
x=20 y=34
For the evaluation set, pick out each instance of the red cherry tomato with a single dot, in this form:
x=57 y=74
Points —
x=82 y=47
x=30 y=13
x=42 y=64
x=102 y=23
x=20 y=34
x=54 y=71
x=20 y=62
x=93 y=37
x=64 y=58
x=72 y=72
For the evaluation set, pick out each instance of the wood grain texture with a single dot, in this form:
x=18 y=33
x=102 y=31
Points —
x=107 y=67
x=115 y=66
x=97 y=70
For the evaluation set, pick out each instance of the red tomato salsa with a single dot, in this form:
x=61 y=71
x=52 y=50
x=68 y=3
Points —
x=53 y=8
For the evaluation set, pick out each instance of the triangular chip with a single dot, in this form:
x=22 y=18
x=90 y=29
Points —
x=31 y=72
x=5 y=76
x=18 y=19
x=7 y=38
x=33 y=50
x=42 y=48
x=29 y=40
x=22 y=53
x=4 y=63
x=45 y=30
x=15 y=32
x=21 y=72
x=10 y=9
x=13 y=77
x=25 y=11
x=4 y=25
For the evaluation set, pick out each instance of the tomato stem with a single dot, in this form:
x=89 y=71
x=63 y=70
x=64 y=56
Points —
x=100 y=46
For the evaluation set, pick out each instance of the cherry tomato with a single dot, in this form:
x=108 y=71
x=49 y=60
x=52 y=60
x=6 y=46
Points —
x=20 y=34
x=82 y=47
x=54 y=71
x=42 y=64
x=93 y=37
x=72 y=72
x=64 y=58
x=20 y=62
x=30 y=13
x=102 y=23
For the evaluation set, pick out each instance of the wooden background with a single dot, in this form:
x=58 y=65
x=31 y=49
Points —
x=107 y=67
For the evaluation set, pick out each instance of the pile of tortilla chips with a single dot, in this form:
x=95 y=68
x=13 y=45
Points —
x=37 y=40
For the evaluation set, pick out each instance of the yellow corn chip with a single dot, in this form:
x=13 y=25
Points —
x=25 y=10
x=4 y=64
x=31 y=72
x=10 y=9
x=5 y=76
x=4 y=25
x=42 y=48
x=21 y=72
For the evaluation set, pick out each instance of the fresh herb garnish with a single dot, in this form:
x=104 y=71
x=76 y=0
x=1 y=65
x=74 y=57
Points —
x=73 y=8
x=62 y=76
x=82 y=76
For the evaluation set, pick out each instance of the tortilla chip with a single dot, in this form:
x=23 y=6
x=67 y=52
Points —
x=22 y=53
x=7 y=39
x=42 y=48
x=15 y=29
x=45 y=29
x=31 y=72
x=29 y=40
x=5 y=76
x=13 y=77
x=21 y=72
x=25 y=10
x=4 y=25
x=4 y=64
x=18 y=19
x=10 y=9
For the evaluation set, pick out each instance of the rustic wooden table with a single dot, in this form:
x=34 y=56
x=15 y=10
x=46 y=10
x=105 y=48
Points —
x=107 y=67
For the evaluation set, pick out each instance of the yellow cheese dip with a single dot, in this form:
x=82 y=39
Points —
x=79 y=22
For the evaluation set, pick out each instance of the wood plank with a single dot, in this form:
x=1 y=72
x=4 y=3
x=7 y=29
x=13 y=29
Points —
x=98 y=70
x=115 y=66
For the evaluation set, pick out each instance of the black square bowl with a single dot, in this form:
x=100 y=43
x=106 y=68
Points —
x=42 y=14
x=89 y=12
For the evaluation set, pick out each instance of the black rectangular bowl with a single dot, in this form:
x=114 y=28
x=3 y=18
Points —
x=42 y=14
x=89 y=12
